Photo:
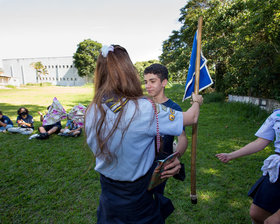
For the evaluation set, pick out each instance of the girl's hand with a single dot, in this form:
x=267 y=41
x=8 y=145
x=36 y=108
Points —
x=223 y=157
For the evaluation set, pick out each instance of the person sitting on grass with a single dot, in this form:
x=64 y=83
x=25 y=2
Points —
x=24 y=121
x=46 y=130
x=71 y=129
x=266 y=191
x=5 y=122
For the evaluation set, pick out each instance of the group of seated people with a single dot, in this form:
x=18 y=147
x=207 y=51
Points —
x=25 y=126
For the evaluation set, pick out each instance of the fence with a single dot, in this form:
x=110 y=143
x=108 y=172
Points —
x=266 y=104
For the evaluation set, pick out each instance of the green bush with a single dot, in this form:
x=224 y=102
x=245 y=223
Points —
x=39 y=84
x=11 y=86
x=246 y=111
x=214 y=97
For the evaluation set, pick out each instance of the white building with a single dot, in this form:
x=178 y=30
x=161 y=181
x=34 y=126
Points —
x=61 y=71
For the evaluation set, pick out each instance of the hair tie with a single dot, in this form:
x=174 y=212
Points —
x=105 y=50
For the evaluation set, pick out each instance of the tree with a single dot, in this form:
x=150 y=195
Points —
x=140 y=66
x=86 y=56
x=40 y=70
x=241 y=40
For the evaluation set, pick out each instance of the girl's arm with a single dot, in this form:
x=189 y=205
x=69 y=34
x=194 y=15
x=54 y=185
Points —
x=252 y=147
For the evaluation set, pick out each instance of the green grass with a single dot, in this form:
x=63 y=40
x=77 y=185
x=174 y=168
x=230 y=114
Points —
x=52 y=181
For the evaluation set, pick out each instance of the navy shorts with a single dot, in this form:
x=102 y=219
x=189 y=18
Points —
x=49 y=127
x=265 y=194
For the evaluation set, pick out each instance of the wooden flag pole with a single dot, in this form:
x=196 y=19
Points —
x=194 y=127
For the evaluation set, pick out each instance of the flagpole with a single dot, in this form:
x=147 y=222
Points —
x=194 y=127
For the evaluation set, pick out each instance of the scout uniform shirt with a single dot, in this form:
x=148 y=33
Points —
x=271 y=129
x=135 y=152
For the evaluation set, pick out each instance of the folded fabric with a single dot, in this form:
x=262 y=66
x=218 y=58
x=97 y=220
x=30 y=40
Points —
x=271 y=166
x=77 y=114
x=55 y=113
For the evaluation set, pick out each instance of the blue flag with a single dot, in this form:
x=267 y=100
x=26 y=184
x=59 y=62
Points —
x=204 y=79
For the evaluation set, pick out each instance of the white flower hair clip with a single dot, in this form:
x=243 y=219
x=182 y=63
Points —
x=105 y=50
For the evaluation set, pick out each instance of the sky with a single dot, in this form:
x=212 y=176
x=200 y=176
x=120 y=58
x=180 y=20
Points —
x=54 y=28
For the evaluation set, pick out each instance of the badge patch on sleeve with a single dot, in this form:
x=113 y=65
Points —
x=171 y=117
x=172 y=111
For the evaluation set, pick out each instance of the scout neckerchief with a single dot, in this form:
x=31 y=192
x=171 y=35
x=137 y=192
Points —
x=115 y=104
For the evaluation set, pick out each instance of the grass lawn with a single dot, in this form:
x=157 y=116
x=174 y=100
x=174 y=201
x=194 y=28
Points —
x=53 y=181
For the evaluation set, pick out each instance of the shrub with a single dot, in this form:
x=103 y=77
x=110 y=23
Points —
x=214 y=97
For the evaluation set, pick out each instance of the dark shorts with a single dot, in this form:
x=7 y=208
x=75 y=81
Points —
x=265 y=194
x=123 y=202
x=49 y=127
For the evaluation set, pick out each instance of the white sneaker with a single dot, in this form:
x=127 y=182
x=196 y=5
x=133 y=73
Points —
x=33 y=136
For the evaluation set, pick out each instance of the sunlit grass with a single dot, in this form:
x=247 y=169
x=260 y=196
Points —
x=50 y=181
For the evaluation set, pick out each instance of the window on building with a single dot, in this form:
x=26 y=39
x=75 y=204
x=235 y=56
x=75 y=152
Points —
x=71 y=79
x=67 y=66
x=52 y=66
x=59 y=66
x=56 y=66
x=63 y=78
x=75 y=79
x=71 y=66
x=63 y=66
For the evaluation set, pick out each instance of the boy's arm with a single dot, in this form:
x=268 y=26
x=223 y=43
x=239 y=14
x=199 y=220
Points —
x=2 y=124
x=191 y=115
x=41 y=116
x=174 y=167
x=182 y=144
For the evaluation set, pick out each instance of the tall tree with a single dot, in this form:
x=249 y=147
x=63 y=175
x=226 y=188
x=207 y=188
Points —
x=241 y=40
x=86 y=56
x=140 y=66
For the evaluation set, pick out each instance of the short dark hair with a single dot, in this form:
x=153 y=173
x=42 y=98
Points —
x=20 y=110
x=160 y=70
